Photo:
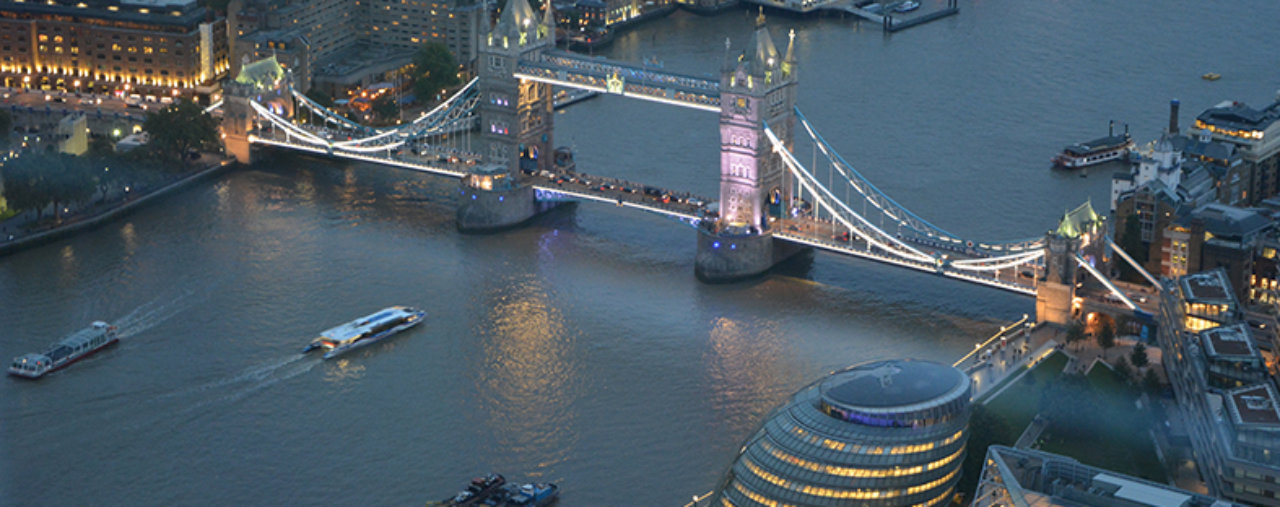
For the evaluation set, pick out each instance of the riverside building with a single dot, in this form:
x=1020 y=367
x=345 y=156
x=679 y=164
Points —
x=336 y=45
x=1020 y=477
x=145 y=47
x=876 y=434
x=1227 y=396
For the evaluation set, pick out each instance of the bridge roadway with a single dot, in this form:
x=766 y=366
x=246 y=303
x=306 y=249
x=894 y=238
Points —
x=827 y=236
x=684 y=206
x=549 y=185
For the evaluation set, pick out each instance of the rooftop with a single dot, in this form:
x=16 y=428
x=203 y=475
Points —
x=1255 y=406
x=1237 y=115
x=1039 y=478
x=1209 y=287
x=1078 y=221
x=1223 y=220
x=160 y=12
x=892 y=383
x=1233 y=340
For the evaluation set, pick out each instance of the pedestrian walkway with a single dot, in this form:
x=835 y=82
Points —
x=1033 y=432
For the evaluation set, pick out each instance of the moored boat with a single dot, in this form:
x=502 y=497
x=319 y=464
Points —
x=480 y=489
x=366 y=330
x=533 y=495
x=73 y=348
x=1097 y=151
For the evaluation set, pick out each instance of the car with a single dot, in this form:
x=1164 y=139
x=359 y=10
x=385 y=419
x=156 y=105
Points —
x=842 y=237
x=1027 y=273
x=1138 y=298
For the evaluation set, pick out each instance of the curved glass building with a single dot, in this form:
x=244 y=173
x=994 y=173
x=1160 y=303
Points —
x=880 y=433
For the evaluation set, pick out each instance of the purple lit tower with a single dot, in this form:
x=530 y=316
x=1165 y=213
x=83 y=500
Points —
x=757 y=88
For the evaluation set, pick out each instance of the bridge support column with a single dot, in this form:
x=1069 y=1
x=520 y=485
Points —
x=1054 y=303
x=491 y=200
x=726 y=258
x=494 y=210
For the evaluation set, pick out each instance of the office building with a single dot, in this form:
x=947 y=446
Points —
x=880 y=433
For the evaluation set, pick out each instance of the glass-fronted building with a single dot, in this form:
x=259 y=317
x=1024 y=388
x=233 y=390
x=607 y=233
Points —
x=881 y=433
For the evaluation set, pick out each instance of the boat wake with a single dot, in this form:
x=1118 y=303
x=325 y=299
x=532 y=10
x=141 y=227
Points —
x=245 y=383
x=152 y=314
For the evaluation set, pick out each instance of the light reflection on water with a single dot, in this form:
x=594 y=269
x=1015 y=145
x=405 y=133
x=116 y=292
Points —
x=526 y=378
x=345 y=369
x=746 y=366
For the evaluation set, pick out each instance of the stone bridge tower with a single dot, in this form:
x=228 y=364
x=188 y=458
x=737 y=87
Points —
x=264 y=82
x=1080 y=233
x=515 y=114
x=757 y=88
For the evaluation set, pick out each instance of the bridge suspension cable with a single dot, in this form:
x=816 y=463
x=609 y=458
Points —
x=900 y=214
x=879 y=238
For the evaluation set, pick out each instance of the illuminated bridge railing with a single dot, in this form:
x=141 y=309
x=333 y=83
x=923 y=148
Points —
x=567 y=69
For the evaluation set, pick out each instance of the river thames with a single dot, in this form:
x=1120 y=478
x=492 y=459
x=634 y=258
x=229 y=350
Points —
x=579 y=349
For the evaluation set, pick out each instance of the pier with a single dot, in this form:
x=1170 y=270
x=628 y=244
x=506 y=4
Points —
x=884 y=17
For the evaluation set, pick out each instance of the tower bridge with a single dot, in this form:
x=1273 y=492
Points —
x=496 y=135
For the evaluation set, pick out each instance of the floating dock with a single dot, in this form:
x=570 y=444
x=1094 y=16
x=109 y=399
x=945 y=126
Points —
x=886 y=19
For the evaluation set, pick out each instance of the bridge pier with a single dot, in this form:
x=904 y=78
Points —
x=724 y=258
x=491 y=201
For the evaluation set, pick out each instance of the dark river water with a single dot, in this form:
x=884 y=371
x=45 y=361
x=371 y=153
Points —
x=579 y=349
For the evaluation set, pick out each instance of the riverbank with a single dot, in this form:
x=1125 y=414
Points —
x=21 y=233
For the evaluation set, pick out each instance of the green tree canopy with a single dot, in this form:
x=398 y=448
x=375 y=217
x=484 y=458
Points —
x=434 y=70
x=36 y=180
x=1139 y=355
x=385 y=107
x=179 y=128
x=1075 y=332
x=1106 y=336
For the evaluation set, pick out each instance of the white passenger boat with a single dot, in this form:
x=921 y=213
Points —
x=73 y=348
x=366 y=330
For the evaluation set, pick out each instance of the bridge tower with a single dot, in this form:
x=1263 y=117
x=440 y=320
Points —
x=757 y=88
x=1080 y=234
x=515 y=114
x=264 y=82
x=515 y=121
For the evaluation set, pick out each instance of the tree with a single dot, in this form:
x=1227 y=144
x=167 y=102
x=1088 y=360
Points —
x=1124 y=370
x=36 y=180
x=178 y=129
x=434 y=70
x=385 y=107
x=1139 y=355
x=1106 y=336
x=1075 y=332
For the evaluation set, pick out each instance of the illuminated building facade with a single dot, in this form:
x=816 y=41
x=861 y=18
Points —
x=337 y=45
x=1256 y=133
x=1013 y=477
x=881 y=433
x=458 y=24
x=1227 y=396
x=144 y=47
